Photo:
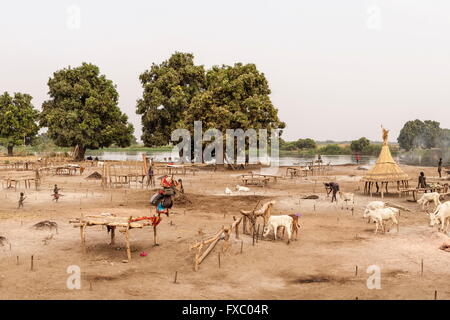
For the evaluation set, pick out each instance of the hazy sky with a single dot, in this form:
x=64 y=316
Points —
x=337 y=69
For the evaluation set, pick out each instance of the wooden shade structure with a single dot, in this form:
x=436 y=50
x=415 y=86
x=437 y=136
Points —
x=385 y=171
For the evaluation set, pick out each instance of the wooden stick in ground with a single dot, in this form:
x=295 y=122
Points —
x=257 y=233
x=176 y=274
x=421 y=268
x=113 y=235
x=32 y=262
x=127 y=240
x=83 y=238
x=155 y=242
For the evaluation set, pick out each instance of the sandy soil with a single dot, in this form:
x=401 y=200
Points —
x=332 y=243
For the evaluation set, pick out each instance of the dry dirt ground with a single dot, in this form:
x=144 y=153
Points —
x=332 y=243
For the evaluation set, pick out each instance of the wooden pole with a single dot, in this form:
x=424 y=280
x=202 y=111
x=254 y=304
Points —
x=32 y=263
x=208 y=250
x=113 y=235
x=219 y=259
x=242 y=246
x=435 y=294
x=154 y=236
x=176 y=274
x=257 y=234
x=83 y=238
x=421 y=268
x=17 y=260
x=127 y=239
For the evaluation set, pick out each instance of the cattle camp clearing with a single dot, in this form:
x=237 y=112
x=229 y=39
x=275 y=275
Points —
x=221 y=232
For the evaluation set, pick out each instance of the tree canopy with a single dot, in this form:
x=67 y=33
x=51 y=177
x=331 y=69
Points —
x=83 y=111
x=18 y=120
x=168 y=90
x=177 y=93
x=419 y=134
x=359 y=145
x=236 y=97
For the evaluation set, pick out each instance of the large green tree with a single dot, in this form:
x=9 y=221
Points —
x=359 y=145
x=18 y=120
x=236 y=97
x=169 y=88
x=419 y=134
x=83 y=111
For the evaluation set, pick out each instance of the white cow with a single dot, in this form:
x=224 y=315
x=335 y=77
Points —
x=441 y=216
x=279 y=221
x=374 y=205
x=378 y=215
x=429 y=197
x=241 y=188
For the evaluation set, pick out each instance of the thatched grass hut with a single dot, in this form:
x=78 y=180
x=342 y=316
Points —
x=385 y=171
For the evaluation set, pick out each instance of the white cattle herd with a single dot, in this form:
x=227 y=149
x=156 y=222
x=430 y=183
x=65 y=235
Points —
x=378 y=212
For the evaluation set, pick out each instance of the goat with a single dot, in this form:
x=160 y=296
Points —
x=429 y=197
x=279 y=221
x=347 y=197
x=227 y=191
x=441 y=215
x=241 y=188
x=374 y=205
x=378 y=215
x=295 y=224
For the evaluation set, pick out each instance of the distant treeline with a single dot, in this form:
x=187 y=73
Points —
x=308 y=146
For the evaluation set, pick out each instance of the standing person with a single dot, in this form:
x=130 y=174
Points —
x=55 y=193
x=422 y=181
x=151 y=177
x=21 y=199
x=440 y=167
x=319 y=158
x=358 y=157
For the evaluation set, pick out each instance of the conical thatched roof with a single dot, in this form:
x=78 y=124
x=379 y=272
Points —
x=385 y=169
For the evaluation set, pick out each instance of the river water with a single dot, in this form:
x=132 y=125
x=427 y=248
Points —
x=284 y=160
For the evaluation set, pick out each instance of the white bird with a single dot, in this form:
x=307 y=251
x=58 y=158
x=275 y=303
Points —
x=240 y=188
x=227 y=190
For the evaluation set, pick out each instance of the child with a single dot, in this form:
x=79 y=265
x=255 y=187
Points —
x=21 y=199
x=55 y=193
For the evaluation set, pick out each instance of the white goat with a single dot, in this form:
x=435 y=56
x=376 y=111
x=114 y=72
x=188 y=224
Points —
x=374 y=205
x=378 y=215
x=241 y=188
x=429 y=197
x=347 y=197
x=279 y=221
x=227 y=191
x=441 y=216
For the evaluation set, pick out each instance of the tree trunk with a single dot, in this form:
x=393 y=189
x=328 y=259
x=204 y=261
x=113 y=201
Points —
x=10 y=151
x=79 y=153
